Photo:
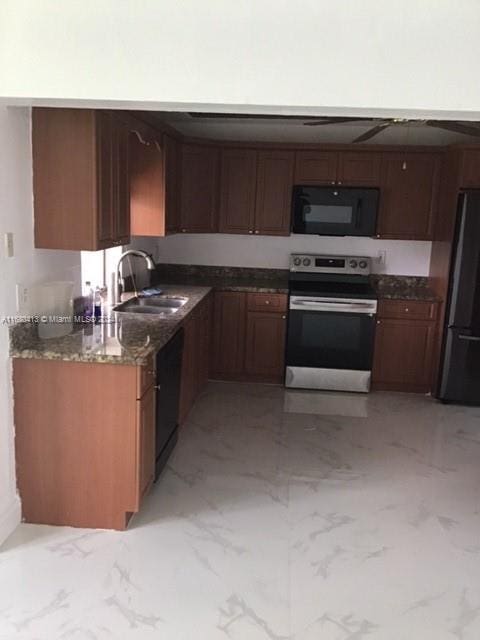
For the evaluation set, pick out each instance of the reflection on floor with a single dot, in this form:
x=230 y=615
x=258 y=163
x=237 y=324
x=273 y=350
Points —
x=274 y=524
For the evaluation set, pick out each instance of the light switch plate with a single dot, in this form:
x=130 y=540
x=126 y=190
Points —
x=8 y=240
x=23 y=299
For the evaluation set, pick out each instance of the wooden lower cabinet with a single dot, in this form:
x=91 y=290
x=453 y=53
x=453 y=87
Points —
x=404 y=349
x=146 y=440
x=249 y=336
x=228 y=340
x=195 y=361
x=265 y=346
x=84 y=441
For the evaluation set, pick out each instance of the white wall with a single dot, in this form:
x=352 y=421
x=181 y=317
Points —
x=415 y=55
x=28 y=266
x=402 y=257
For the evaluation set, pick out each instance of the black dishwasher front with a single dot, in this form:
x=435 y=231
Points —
x=169 y=370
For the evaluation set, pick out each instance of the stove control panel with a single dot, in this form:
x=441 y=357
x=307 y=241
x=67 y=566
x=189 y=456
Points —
x=313 y=263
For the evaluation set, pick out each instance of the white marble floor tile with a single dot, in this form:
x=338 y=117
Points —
x=277 y=519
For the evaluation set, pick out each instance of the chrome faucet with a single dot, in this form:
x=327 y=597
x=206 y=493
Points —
x=120 y=282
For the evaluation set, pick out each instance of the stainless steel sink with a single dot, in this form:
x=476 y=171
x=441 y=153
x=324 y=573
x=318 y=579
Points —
x=161 y=305
x=171 y=303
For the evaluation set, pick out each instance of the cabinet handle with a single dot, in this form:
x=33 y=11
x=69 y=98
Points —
x=406 y=309
x=378 y=321
x=157 y=386
x=250 y=231
x=257 y=231
x=339 y=182
x=184 y=231
x=332 y=182
x=267 y=301
x=284 y=317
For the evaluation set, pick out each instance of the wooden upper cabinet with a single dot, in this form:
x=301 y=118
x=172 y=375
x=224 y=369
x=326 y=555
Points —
x=316 y=167
x=198 y=202
x=360 y=168
x=121 y=185
x=348 y=168
x=470 y=169
x=147 y=186
x=80 y=179
x=171 y=154
x=237 y=190
x=105 y=213
x=274 y=192
x=154 y=170
x=408 y=195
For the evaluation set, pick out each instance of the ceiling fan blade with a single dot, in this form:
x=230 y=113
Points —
x=372 y=132
x=242 y=116
x=468 y=129
x=316 y=123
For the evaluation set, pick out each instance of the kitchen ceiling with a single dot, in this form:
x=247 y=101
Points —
x=277 y=129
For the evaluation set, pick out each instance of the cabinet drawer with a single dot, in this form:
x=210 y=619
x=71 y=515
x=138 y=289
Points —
x=274 y=302
x=413 y=309
x=145 y=376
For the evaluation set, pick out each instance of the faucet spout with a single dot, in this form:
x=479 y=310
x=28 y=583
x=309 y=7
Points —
x=119 y=284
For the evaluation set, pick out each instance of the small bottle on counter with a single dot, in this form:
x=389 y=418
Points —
x=97 y=304
x=88 y=306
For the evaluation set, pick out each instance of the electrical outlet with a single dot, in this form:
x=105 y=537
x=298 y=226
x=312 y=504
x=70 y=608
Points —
x=382 y=257
x=8 y=241
x=23 y=299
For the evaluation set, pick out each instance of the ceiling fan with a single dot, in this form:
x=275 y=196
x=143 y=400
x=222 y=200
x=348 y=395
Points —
x=466 y=128
x=469 y=129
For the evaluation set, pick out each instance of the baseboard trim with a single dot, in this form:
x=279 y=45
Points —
x=10 y=518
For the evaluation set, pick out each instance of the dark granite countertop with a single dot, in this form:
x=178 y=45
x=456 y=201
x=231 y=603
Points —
x=128 y=338
x=224 y=278
x=123 y=338
x=389 y=287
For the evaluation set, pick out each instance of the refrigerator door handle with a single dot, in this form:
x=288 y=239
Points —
x=470 y=338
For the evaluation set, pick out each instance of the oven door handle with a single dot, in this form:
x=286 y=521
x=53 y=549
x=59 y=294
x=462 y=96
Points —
x=334 y=307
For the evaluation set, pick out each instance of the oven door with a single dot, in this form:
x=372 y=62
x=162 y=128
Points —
x=335 y=211
x=330 y=343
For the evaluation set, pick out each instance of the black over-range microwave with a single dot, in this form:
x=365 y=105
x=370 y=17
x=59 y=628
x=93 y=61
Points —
x=335 y=211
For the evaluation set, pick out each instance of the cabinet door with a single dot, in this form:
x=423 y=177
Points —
x=403 y=355
x=204 y=335
x=470 y=169
x=146 y=441
x=228 y=334
x=106 y=179
x=121 y=183
x=408 y=195
x=316 y=167
x=265 y=345
x=199 y=189
x=172 y=170
x=113 y=198
x=360 y=168
x=66 y=160
x=237 y=191
x=147 y=193
x=189 y=364
x=274 y=192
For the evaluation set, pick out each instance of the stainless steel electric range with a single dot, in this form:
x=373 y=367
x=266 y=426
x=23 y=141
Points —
x=331 y=323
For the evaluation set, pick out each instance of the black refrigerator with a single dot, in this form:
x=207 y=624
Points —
x=460 y=372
